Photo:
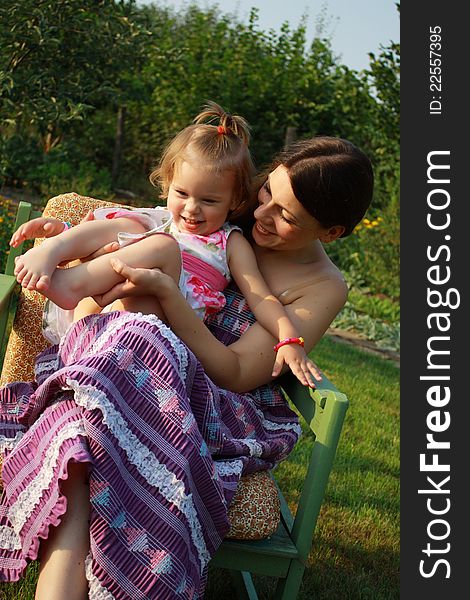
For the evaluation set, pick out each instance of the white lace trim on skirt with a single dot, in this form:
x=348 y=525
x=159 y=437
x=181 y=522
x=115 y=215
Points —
x=155 y=473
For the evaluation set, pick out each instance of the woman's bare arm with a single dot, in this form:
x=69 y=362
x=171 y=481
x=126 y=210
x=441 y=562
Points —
x=247 y=363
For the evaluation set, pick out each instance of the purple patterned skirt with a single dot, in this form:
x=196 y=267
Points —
x=165 y=447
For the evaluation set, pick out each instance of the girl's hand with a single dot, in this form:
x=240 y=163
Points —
x=46 y=227
x=36 y=228
x=41 y=227
x=90 y=216
x=299 y=363
x=138 y=282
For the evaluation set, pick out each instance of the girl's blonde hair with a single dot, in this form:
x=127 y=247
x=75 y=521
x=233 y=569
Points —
x=218 y=141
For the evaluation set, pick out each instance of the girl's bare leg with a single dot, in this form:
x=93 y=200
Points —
x=62 y=559
x=35 y=268
x=96 y=277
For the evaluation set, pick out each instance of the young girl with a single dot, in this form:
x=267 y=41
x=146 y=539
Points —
x=205 y=174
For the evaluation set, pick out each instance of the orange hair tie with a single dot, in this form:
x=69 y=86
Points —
x=221 y=129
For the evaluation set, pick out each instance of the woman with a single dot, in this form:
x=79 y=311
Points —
x=126 y=428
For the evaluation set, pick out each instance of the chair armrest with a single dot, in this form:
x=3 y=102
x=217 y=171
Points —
x=324 y=410
x=7 y=286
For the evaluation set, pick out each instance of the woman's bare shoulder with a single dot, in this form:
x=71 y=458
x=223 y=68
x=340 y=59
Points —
x=326 y=280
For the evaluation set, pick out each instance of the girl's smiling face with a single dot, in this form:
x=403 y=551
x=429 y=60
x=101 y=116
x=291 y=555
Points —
x=200 y=200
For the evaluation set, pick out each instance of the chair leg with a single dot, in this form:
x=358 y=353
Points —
x=243 y=585
x=288 y=587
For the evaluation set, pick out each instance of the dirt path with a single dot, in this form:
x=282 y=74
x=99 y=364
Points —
x=348 y=337
x=16 y=196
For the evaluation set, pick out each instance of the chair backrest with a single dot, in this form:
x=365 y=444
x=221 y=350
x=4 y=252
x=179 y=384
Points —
x=26 y=341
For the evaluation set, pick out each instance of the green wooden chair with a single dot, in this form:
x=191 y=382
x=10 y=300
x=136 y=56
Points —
x=284 y=554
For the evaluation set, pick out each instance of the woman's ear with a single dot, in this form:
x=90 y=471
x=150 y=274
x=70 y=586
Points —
x=332 y=233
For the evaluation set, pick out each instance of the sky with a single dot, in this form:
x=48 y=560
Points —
x=355 y=27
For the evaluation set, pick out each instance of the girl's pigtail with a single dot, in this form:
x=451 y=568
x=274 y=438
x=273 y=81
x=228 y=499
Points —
x=228 y=124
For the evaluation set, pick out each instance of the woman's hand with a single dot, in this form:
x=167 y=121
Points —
x=299 y=363
x=106 y=249
x=138 y=282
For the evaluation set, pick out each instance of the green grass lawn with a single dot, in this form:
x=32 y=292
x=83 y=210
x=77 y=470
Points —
x=355 y=553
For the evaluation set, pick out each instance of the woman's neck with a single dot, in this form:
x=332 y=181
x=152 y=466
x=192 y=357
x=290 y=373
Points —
x=309 y=254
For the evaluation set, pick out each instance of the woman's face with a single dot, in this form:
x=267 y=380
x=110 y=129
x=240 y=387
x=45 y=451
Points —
x=282 y=223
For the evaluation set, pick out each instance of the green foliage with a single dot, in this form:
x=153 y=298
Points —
x=59 y=60
x=379 y=254
x=384 y=75
x=375 y=306
x=370 y=256
x=19 y=154
x=66 y=68
x=273 y=79
x=59 y=172
x=386 y=335
x=374 y=317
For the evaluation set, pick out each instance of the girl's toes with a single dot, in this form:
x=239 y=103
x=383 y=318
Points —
x=32 y=282
x=42 y=283
x=20 y=275
x=26 y=279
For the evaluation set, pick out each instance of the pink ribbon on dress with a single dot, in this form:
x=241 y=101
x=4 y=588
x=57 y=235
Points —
x=207 y=273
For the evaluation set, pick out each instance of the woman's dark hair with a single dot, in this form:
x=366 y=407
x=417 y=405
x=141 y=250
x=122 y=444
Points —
x=331 y=178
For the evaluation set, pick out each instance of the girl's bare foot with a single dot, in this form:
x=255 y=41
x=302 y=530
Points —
x=34 y=268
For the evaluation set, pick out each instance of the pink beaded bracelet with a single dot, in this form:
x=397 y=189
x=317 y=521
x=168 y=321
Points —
x=67 y=225
x=291 y=340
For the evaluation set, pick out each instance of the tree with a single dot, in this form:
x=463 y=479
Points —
x=59 y=60
x=384 y=74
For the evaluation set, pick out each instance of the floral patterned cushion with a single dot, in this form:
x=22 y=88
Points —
x=254 y=511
